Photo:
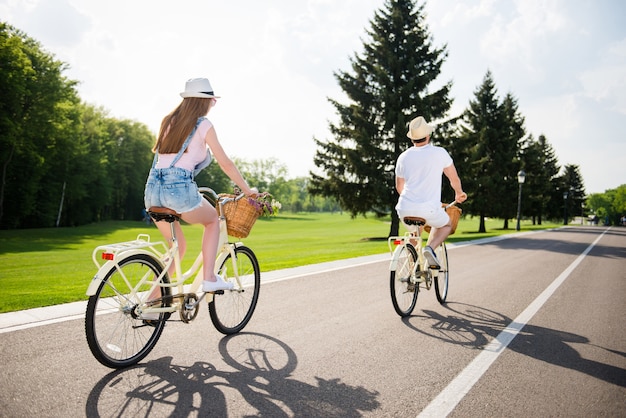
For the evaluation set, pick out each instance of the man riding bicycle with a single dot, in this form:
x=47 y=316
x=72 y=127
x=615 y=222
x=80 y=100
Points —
x=419 y=172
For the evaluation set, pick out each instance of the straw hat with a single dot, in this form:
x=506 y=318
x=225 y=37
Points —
x=419 y=128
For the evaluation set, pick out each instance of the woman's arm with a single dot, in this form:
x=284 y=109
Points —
x=225 y=163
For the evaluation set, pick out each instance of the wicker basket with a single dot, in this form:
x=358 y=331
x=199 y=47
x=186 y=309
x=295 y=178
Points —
x=454 y=213
x=240 y=216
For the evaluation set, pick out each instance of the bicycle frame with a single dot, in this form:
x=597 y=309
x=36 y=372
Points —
x=425 y=274
x=115 y=254
x=399 y=242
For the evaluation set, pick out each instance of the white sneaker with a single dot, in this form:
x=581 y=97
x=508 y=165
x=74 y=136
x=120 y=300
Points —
x=431 y=258
x=219 y=284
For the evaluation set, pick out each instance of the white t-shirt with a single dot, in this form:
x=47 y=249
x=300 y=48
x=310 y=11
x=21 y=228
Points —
x=196 y=151
x=422 y=169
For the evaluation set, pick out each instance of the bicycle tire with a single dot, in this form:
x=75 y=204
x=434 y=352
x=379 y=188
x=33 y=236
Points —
x=403 y=292
x=441 y=280
x=117 y=336
x=231 y=310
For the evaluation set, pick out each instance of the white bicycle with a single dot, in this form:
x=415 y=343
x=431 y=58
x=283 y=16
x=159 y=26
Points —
x=124 y=319
x=409 y=270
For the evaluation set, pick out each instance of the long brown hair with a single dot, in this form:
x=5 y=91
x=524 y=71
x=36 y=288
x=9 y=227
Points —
x=177 y=126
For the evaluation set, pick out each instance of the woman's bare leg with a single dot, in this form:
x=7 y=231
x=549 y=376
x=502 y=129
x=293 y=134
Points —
x=206 y=215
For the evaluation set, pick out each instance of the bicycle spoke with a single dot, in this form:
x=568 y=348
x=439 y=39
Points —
x=231 y=311
x=116 y=334
x=403 y=292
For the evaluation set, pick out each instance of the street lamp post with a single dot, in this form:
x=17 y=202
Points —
x=582 y=213
x=565 y=194
x=521 y=177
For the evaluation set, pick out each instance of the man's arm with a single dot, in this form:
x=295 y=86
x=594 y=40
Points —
x=400 y=184
x=455 y=182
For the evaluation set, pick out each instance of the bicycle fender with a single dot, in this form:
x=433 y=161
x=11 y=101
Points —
x=393 y=264
x=108 y=266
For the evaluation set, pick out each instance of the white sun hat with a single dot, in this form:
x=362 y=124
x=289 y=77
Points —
x=198 y=87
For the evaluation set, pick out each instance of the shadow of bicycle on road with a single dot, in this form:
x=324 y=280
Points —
x=260 y=385
x=475 y=327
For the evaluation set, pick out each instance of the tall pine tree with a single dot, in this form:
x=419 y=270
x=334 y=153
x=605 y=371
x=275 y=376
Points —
x=572 y=191
x=491 y=133
x=541 y=166
x=388 y=86
x=512 y=138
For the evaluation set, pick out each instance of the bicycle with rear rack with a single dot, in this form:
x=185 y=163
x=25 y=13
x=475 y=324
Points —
x=133 y=293
x=409 y=269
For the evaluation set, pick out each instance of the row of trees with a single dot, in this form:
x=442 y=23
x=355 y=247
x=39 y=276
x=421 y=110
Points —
x=64 y=162
x=609 y=207
x=390 y=83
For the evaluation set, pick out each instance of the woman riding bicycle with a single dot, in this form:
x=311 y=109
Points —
x=418 y=181
x=184 y=146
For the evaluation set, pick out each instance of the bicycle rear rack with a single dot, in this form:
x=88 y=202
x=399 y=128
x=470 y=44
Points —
x=112 y=251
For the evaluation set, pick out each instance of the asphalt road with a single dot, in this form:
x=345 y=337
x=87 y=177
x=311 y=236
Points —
x=533 y=327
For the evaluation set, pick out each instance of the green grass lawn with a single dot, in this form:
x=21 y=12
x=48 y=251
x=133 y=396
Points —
x=42 y=267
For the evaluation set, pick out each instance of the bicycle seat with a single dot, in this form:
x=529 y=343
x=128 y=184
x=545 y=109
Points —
x=159 y=213
x=414 y=220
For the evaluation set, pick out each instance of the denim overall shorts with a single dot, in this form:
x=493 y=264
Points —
x=173 y=187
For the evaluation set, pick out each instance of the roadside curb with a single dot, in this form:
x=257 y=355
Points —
x=29 y=318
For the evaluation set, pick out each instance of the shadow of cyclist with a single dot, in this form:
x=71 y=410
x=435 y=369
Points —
x=475 y=327
x=263 y=366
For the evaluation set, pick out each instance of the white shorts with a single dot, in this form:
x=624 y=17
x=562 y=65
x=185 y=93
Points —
x=435 y=216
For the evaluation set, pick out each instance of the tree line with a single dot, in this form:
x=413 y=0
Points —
x=609 y=207
x=66 y=163
x=393 y=80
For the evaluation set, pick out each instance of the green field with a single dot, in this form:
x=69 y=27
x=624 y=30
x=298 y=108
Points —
x=42 y=267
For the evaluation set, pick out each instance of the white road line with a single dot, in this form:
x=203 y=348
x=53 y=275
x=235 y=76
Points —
x=449 y=398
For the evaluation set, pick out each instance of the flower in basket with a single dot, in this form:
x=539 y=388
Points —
x=276 y=206
x=266 y=203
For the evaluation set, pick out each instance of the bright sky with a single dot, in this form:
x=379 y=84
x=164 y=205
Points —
x=273 y=61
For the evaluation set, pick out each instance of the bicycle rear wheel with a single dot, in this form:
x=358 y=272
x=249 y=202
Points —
x=116 y=333
x=403 y=292
x=231 y=310
x=441 y=280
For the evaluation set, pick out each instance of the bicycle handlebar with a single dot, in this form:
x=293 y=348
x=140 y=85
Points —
x=217 y=197
x=209 y=191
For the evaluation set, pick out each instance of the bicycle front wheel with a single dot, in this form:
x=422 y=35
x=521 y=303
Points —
x=117 y=334
x=231 y=310
x=403 y=292
x=441 y=280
